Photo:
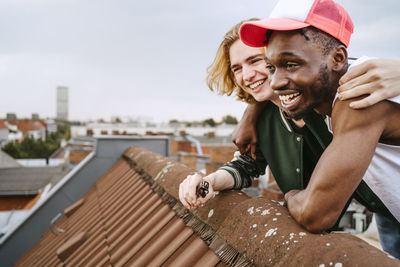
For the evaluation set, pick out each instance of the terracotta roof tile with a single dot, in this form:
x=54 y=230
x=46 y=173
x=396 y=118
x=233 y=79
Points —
x=28 y=125
x=2 y=125
x=70 y=210
x=131 y=217
x=71 y=245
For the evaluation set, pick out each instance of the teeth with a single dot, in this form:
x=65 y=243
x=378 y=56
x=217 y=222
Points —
x=287 y=99
x=256 y=84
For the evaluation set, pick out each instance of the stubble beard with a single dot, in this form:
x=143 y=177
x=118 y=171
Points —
x=323 y=91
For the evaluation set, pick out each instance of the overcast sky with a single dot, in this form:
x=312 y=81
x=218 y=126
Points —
x=141 y=58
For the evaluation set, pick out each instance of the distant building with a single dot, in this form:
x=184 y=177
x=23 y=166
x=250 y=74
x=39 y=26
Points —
x=21 y=128
x=3 y=133
x=51 y=126
x=35 y=116
x=62 y=103
x=11 y=116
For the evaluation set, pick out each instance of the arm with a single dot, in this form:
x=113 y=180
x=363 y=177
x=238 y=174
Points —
x=379 y=78
x=341 y=167
x=219 y=180
x=245 y=135
x=233 y=175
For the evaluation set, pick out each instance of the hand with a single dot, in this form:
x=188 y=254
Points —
x=245 y=134
x=187 y=191
x=380 y=78
x=289 y=195
x=245 y=137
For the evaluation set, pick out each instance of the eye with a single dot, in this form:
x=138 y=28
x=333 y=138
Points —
x=291 y=65
x=270 y=68
x=255 y=60
x=236 y=69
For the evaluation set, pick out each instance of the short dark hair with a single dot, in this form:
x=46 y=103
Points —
x=325 y=41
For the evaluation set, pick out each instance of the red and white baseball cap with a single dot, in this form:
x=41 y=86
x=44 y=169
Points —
x=288 y=15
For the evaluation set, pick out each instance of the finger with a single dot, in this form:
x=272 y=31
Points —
x=286 y=197
x=210 y=195
x=366 y=102
x=290 y=194
x=248 y=147
x=354 y=72
x=358 y=90
x=193 y=183
x=185 y=189
x=189 y=200
x=242 y=146
x=182 y=199
x=253 y=151
x=366 y=78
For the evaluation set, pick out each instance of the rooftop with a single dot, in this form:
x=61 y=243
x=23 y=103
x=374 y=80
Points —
x=2 y=125
x=132 y=216
x=7 y=161
x=26 y=125
x=28 y=180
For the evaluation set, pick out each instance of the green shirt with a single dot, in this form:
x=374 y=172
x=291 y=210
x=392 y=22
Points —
x=281 y=148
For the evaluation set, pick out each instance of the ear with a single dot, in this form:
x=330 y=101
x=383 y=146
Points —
x=339 y=58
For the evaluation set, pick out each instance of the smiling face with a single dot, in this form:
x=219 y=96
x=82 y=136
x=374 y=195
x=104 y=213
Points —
x=249 y=69
x=299 y=73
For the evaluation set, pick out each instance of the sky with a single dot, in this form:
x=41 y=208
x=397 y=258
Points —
x=141 y=59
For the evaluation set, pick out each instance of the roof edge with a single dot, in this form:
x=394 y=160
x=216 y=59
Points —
x=246 y=231
x=52 y=192
x=195 y=220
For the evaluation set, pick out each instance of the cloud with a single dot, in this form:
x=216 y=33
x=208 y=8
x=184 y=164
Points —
x=140 y=58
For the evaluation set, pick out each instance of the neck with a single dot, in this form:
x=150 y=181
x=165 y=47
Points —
x=326 y=105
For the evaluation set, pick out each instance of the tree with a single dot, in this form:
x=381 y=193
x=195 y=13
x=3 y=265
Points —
x=11 y=149
x=209 y=122
x=32 y=148
x=117 y=120
x=173 y=121
x=228 y=119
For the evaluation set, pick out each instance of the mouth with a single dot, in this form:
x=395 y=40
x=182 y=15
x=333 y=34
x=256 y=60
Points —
x=290 y=100
x=254 y=86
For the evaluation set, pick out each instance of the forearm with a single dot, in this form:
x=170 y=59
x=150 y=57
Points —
x=315 y=218
x=342 y=165
x=220 y=180
x=333 y=181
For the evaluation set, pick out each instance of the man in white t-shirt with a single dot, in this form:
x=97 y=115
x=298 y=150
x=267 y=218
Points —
x=306 y=57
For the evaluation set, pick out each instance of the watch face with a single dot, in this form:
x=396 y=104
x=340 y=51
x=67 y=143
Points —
x=202 y=190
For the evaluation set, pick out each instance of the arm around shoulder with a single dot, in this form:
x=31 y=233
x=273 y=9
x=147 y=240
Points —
x=377 y=78
x=341 y=166
x=245 y=135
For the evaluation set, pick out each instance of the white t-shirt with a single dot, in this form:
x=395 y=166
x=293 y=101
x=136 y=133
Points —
x=383 y=173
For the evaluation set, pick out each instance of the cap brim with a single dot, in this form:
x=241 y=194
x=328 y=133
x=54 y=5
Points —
x=253 y=33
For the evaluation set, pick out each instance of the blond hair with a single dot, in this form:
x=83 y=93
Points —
x=220 y=77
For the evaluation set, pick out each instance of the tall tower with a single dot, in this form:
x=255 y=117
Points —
x=62 y=102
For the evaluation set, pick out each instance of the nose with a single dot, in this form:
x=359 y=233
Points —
x=278 y=80
x=248 y=73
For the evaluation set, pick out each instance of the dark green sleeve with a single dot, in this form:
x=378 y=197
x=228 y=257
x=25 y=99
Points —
x=245 y=168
